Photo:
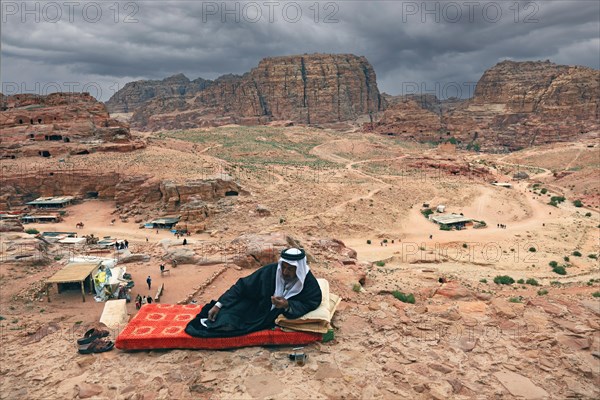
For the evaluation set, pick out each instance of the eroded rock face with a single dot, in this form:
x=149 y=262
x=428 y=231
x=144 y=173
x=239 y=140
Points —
x=59 y=123
x=515 y=105
x=315 y=88
x=135 y=94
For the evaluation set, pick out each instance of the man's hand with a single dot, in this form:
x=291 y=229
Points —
x=279 y=302
x=212 y=313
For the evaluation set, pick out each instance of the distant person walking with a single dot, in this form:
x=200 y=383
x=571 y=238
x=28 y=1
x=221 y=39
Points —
x=149 y=282
x=184 y=241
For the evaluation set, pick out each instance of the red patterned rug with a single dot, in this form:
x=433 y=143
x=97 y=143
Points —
x=162 y=326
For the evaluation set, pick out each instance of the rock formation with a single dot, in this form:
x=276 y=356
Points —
x=136 y=93
x=59 y=123
x=311 y=89
x=515 y=105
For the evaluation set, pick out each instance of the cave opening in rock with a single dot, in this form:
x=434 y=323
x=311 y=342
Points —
x=91 y=195
x=82 y=152
x=39 y=120
x=231 y=193
x=44 y=153
x=67 y=140
x=20 y=121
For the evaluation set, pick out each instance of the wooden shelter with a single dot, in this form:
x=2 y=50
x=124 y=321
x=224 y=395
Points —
x=73 y=272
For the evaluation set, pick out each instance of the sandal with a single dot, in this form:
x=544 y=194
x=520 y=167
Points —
x=97 y=346
x=92 y=335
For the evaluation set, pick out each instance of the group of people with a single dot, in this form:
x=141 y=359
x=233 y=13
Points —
x=141 y=300
x=121 y=245
x=502 y=226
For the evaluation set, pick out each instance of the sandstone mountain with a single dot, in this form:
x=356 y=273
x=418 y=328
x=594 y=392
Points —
x=309 y=89
x=515 y=105
x=59 y=123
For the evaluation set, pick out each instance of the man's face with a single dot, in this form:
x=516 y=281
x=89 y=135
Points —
x=288 y=271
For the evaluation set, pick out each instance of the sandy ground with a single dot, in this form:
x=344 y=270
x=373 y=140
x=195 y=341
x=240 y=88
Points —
x=383 y=348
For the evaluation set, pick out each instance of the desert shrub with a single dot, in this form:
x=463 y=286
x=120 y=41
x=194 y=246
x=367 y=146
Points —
x=578 y=203
x=521 y=281
x=452 y=140
x=532 y=282
x=553 y=203
x=542 y=292
x=566 y=258
x=32 y=231
x=405 y=298
x=504 y=280
x=385 y=240
x=515 y=300
x=427 y=212
x=553 y=264
x=380 y=263
x=588 y=214
x=356 y=287
x=465 y=246
x=444 y=227
x=559 y=270
x=557 y=199
x=532 y=249
x=483 y=280
x=544 y=191
x=58 y=258
x=595 y=257
x=596 y=294
x=576 y=253
x=555 y=283
x=369 y=241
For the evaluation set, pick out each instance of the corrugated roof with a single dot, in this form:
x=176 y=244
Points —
x=450 y=219
x=73 y=272
x=166 y=220
x=51 y=200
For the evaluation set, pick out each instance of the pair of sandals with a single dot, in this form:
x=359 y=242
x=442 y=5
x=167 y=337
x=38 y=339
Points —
x=93 y=342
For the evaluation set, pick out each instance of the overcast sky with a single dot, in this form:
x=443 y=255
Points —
x=441 y=47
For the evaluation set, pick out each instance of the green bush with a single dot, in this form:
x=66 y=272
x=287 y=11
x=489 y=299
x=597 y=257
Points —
x=356 y=287
x=369 y=241
x=405 y=298
x=515 y=300
x=32 y=231
x=483 y=280
x=521 y=281
x=566 y=258
x=380 y=263
x=557 y=199
x=532 y=249
x=578 y=203
x=465 y=246
x=555 y=283
x=588 y=214
x=444 y=227
x=595 y=257
x=544 y=191
x=427 y=212
x=385 y=240
x=504 y=280
x=542 y=292
x=559 y=270
x=553 y=264
x=596 y=294
x=576 y=253
x=532 y=282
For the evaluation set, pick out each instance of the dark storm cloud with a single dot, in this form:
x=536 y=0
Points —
x=428 y=44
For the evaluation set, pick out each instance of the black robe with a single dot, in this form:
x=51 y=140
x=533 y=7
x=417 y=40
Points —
x=247 y=305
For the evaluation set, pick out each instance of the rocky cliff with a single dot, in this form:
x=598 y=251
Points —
x=311 y=89
x=515 y=105
x=135 y=94
x=59 y=123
